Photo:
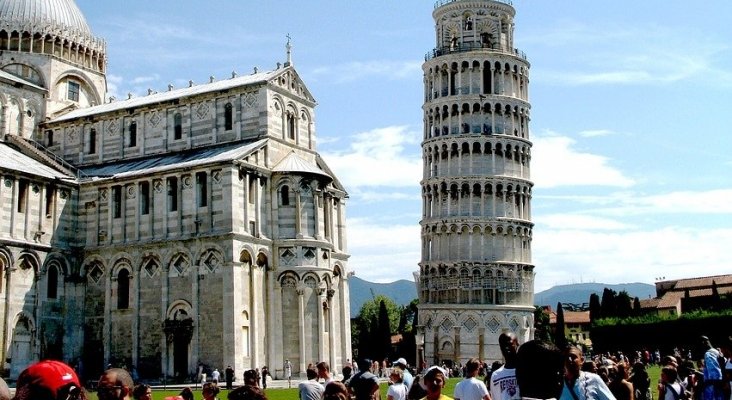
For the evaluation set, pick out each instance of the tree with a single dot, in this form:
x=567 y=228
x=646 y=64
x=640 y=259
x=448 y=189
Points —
x=372 y=327
x=541 y=324
x=716 y=299
x=384 y=333
x=636 y=307
x=607 y=306
x=560 y=338
x=623 y=305
x=594 y=307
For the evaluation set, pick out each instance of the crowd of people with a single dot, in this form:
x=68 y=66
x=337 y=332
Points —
x=533 y=370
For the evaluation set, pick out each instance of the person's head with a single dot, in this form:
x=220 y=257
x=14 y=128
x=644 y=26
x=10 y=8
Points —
x=364 y=364
x=142 y=392
x=247 y=392
x=347 y=372
x=397 y=375
x=311 y=372
x=669 y=360
x=472 y=367
x=669 y=374
x=251 y=378
x=539 y=370
x=589 y=366
x=434 y=379
x=115 y=384
x=48 y=380
x=401 y=363
x=336 y=391
x=186 y=393
x=573 y=361
x=509 y=345
x=210 y=390
x=323 y=369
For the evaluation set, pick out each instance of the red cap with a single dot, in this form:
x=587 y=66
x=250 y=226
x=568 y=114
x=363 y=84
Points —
x=51 y=375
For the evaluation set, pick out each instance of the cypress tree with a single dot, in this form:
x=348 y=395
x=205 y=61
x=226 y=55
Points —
x=560 y=338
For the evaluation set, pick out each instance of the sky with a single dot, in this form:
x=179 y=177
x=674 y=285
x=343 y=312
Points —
x=630 y=121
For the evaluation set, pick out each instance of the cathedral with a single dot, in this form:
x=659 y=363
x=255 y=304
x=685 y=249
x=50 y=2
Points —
x=191 y=226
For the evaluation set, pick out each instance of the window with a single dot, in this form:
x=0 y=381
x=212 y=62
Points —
x=50 y=200
x=177 y=126
x=133 y=134
x=202 y=189
x=144 y=198
x=291 y=126
x=123 y=289
x=73 y=91
x=92 y=141
x=22 y=195
x=52 y=289
x=285 y=195
x=116 y=201
x=49 y=138
x=228 y=117
x=172 y=194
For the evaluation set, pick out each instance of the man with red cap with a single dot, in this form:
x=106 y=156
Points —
x=49 y=380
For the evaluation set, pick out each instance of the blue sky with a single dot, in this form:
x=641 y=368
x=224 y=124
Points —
x=631 y=117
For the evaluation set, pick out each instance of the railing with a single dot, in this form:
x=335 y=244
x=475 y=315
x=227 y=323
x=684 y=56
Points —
x=49 y=154
x=440 y=3
x=465 y=47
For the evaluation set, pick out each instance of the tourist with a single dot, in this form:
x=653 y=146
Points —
x=115 y=384
x=48 y=380
x=539 y=370
x=215 y=376
x=434 y=381
x=310 y=389
x=364 y=384
x=641 y=382
x=324 y=372
x=408 y=378
x=336 y=391
x=581 y=385
x=288 y=372
x=247 y=392
x=142 y=392
x=347 y=371
x=397 y=389
x=502 y=383
x=229 y=376
x=669 y=388
x=251 y=378
x=4 y=390
x=619 y=386
x=265 y=374
x=210 y=390
x=471 y=388
x=417 y=391
x=713 y=364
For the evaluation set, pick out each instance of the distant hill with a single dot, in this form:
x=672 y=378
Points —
x=401 y=291
x=404 y=291
x=579 y=293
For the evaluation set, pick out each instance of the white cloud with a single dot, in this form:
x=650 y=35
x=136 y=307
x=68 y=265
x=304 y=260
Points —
x=596 y=133
x=563 y=256
x=573 y=221
x=556 y=162
x=353 y=71
x=383 y=253
x=380 y=157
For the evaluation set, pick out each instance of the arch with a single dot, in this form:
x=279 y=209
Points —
x=178 y=310
x=88 y=82
x=228 y=117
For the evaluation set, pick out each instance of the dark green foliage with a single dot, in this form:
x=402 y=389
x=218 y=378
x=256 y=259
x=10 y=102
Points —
x=623 y=305
x=384 y=333
x=379 y=319
x=636 y=307
x=541 y=324
x=607 y=306
x=595 y=307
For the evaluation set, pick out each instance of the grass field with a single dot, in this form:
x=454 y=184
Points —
x=291 y=394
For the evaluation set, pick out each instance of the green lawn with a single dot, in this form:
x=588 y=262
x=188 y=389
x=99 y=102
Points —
x=291 y=394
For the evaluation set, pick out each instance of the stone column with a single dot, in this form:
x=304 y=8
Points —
x=246 y=203
x=298 y=214
x=321 y=323
x=301 y=324
x=253 y=325
x=332 y=344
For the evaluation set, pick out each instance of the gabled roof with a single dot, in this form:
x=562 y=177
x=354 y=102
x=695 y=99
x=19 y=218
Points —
x=294 y=163
x=13 y=160
x=161 y=97
x=170 y=161
x=12 y=78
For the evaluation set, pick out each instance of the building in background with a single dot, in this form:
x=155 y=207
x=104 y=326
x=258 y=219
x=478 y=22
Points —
x=475 y=279
x=190 y=226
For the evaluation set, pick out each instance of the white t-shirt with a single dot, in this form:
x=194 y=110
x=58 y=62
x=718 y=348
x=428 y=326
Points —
x=397 y=391
x=470 y=389
x=503 y=385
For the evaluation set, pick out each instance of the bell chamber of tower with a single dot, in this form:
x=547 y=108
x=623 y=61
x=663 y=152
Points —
x=476 y=278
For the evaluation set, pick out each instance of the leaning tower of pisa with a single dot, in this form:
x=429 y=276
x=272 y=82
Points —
x=475 y=279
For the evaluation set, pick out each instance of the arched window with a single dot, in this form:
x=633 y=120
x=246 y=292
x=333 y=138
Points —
x=228 y=117
x=291 y=126
x=177 y=126
x=52 y=279
x=123 y=289
x=92 y=141
x=285 y=195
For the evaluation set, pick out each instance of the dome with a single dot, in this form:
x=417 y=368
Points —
x=43 y=16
